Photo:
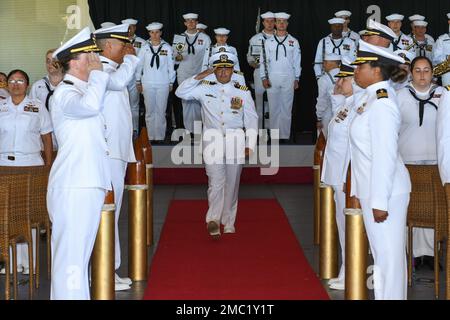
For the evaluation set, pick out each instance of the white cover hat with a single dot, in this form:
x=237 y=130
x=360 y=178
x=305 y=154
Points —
x=395 y=16
x=336 y=21
x=448 y=16
x=154 y=26
x=130 y=21
x=268 y=15
x=190 y=16
x=223 y=59
x=221 y=31
x=107 y=24
x=420 y=23
x=343 y=13
x=82 y=42
x=201 y=26
x=416 y=17
x=368 y=52
x=282 y=15
x=374 y=27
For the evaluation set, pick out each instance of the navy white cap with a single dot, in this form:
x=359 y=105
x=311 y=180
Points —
x=377 y=29
x=107 y=24
x=416 y=17
x=119 y=32
x=154 y=26
x=420 y=23
x=282 y=15
x=448 y=16
x=221 y=31
x=201 y=26
x=343 y=13
x=268 y=15
x=190 y=16
x=130 y=21
x=347 y=69
x=82 y=42
x=368 y=52
x=336 y=21
x=394 y=17
x=406 y=55
x=223 y=60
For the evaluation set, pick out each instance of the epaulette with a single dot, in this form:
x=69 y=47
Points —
x=238 y=72
x=238 y=86
x=447 y=87
x=209 y=83
x=382 y=93
x=68 y=82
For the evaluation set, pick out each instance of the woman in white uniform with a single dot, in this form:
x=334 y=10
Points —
x=25 y=131
x=380 y=180
x=418 y=104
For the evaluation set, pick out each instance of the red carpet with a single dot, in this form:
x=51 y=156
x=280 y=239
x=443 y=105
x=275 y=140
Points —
x=262 y=261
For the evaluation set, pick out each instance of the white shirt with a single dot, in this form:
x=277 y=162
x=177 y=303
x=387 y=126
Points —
x=21 y=126
x=213 y=50
x=325 y=84
x=403 y=42
x=162 y=75
x=425 y=47
x=288 y=61
x=40 y=91
x=3 y=94
x=117 y=110
x=378 y=172
x=256 y=41
x=138 y=43
x=418 y=143
x=443 y=136
x=83 y=155
x=351 y=35
x=345 y=47
x=441 y=49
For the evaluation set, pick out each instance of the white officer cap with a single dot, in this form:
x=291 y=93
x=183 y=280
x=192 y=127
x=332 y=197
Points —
x=108 y=24
x=368 y=52
x=363 y=32
x=130 y=21
x=119 y=32
x=420 y=23
x=416 y=17
x=282 y=15
x=190 y=16
x=221 y=31
x=82 y=42
x=154 y=26
x=448 y=16
x=377 y=29
x=406 y=55
x=346 y=69
x=332 y=57
x=201 y=26
x=336 y=21
x=343 y=13
x=394 y=17
x=268 y=15
x=223 y=59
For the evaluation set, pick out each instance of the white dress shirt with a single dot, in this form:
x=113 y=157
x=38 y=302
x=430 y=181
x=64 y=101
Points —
x=149 y=73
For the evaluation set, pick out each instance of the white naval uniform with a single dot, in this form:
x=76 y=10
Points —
x=324 y=110
x=380 y=180
x=41 y=90
x=256 y=41
x=284 y=67
x=417 y=145
x=351 y=35
x=193 y=54
x=79 y=180
x=138 y=43
x=397 y=86
x=424 y=48
x=403 y=42
x=119 y=132
x=443 y=136
x=157 y=75
x=3 y=94
x=221 y=114
x=441 y=53
x=21 y=128
x=345 y=47
x=336 y=160
x=213 y=50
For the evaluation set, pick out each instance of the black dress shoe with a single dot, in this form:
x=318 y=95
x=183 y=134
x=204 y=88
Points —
x=418 y=263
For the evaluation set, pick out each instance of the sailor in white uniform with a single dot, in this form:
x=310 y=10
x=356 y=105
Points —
x=189 y=60
x=201 y=27
x=221 y=41
x=442 y=52
x=120 y=62
x=378 y=34
x=280 y=71
x=347 y=32
x=80 y=175
x=326 y=85
x=253 y=55
x=156 y=76
x=423 y=43
x=227 y=109
x=401 y=41
x=443 y=136
x=336 y=43
x=380 y=180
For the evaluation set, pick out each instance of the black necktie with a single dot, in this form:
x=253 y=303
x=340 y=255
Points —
x=338 y=48
x=280 y=44
x=191 y=48
x=422 y=47
x=422 y=104
x=396 y=42
x=49 y=95
x=155 y=56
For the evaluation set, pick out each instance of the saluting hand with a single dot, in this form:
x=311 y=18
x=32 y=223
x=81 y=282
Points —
x=93 y=62
x=129 y=49
x=380 y=216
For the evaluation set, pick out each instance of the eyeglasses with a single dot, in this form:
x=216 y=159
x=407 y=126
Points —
x=16 y=81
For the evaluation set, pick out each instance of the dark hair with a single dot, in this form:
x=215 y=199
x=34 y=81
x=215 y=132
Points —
x=3 y=74
x=417 y=59
x=66 y=60
x=390 y=71
x=23 y=73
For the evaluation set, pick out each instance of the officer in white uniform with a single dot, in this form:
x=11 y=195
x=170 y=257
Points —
x=253 y=54
x=221 y=41
x=336 y=43
x=401 y=41
x=442 y=52
x=380 y=180
x=280 y=71
x=190 y=61
x=227 y=108
x=347 y=32
x=137 y=43
x=423 y=43
x=201 y=27
x=80 y=175
x=120 y=62
x=443 y=136
x=326 y=85
x=156 y=75
x=378 y=34
x=25 y=130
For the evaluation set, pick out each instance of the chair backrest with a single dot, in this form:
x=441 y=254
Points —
x=4 y=217
x=440 y=204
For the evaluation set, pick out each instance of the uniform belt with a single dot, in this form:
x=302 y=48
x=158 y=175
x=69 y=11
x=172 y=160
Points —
x=16 y=157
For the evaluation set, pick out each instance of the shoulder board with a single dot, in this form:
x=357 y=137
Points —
x=447 y=87
x=68 y=82
x=209 y=83
x=243 y=88
x=382 y=93
x=238 y=72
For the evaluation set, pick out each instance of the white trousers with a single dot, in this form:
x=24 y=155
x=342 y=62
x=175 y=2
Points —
x=259 y=97
x=191 y=113
x=339 y=199
x=155 y=110
x=118 y=171
x=387 y=243
x=446 y=79
x=281 y=98
x=134 y=103
x=75 y=214
x=223 y=192
x=423 y=242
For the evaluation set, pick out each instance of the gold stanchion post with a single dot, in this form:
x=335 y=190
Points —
x=318 y=158
x=148 y=157
x=328 y=248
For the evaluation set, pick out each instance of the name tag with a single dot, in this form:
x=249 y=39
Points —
x=163 y=53
x=346 y=47
x=236 y=103
x=31 y=108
